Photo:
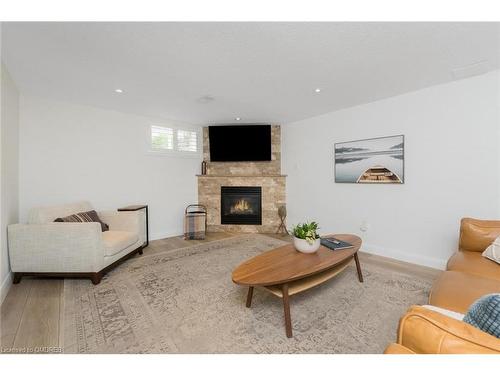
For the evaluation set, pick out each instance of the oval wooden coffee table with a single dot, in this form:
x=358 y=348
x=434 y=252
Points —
x=284 y=271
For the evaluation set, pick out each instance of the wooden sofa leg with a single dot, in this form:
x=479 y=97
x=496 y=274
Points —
x=96 y=278
x=140 y=251
x=17 y=278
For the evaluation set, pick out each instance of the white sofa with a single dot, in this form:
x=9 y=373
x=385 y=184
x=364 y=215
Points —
x=43 y=247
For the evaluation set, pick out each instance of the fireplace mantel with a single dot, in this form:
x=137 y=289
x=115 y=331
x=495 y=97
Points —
x=266 y=175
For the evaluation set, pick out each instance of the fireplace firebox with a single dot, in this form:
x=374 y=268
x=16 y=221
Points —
x=241 y=205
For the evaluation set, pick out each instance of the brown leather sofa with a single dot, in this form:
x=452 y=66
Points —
x=468 y=276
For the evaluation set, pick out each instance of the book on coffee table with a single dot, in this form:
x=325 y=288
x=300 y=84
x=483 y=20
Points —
x=334 y=244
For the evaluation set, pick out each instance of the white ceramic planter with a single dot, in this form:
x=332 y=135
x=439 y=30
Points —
x=305 y=247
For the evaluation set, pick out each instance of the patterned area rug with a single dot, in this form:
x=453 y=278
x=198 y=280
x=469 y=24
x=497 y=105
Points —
x=184 y=301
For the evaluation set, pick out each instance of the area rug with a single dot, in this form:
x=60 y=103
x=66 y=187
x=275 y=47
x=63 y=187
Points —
x=183 y=301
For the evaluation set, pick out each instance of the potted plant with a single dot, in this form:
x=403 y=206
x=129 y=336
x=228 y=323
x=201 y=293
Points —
x=306 y=238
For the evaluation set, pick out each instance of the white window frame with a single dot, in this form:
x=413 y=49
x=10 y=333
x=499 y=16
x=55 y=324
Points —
x=175 y=152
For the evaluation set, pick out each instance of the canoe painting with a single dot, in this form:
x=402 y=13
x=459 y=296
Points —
x=378 y=174
x=372 y=161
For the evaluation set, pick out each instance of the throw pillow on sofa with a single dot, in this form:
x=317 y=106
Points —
x=492 y=252
x=83 y=217
x=485 y=314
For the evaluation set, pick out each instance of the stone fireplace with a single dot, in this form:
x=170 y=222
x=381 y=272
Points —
x=232 y=191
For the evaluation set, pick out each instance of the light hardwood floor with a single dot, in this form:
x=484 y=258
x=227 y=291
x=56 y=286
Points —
x=31 y=314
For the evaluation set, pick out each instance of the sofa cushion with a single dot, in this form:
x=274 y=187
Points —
x=477 y=235
x=117 y=240
x=456 y=291
x=475 y=264
x=83 y=217
x=45 y=215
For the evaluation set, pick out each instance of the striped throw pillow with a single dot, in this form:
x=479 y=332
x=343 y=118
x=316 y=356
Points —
x=83 y=217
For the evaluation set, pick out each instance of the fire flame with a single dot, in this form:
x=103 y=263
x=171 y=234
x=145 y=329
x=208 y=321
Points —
x=241 y=206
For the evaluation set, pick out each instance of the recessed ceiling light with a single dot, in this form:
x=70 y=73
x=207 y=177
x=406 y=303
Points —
x=317 y=90
x=238 y=118
x=119 y=91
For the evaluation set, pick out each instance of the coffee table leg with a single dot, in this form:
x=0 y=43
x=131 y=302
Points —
x=358 y=267
x=249 y=296
x=286 y=306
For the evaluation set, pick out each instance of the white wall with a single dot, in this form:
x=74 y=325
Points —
x=452 y=169
x=72 y=152
x=9 y=205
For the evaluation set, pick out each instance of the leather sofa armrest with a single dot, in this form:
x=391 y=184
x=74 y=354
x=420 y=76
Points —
x=424 y=331
x=477 y=235
x=397 y=349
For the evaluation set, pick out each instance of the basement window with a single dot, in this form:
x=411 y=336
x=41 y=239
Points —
x=166 y=139
x=187 y=141
x=162 y=138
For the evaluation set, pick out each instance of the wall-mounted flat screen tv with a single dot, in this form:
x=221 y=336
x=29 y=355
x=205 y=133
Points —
x=240 y=142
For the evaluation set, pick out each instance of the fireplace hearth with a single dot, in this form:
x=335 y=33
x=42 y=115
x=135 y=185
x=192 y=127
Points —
x=241 y=205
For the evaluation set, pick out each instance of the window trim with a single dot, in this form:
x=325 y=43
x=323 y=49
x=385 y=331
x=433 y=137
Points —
x=175 y=152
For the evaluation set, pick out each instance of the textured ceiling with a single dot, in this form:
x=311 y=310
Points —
x=261 y=72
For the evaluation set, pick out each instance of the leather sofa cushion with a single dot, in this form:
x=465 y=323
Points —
x=117 y=240
x=456 y=291
x=474 y=263
x=477 y=235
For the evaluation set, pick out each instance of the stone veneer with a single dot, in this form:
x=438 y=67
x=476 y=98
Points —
x=265 y=174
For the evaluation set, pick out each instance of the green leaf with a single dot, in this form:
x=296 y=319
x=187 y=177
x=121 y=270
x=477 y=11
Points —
x=306 y=231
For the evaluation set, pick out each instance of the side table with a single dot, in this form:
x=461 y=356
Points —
x=137 y=207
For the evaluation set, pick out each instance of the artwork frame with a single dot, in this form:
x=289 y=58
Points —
x=373 y=161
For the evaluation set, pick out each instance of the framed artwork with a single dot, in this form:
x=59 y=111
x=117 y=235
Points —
x=370 y=161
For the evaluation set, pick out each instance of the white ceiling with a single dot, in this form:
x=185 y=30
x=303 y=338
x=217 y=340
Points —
x=261 y=72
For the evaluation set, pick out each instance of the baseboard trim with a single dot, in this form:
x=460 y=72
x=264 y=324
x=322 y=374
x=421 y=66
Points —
x=6 y=284
x=436 y=263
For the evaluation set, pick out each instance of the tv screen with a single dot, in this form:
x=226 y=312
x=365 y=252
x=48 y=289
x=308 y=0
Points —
x=240 y=142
